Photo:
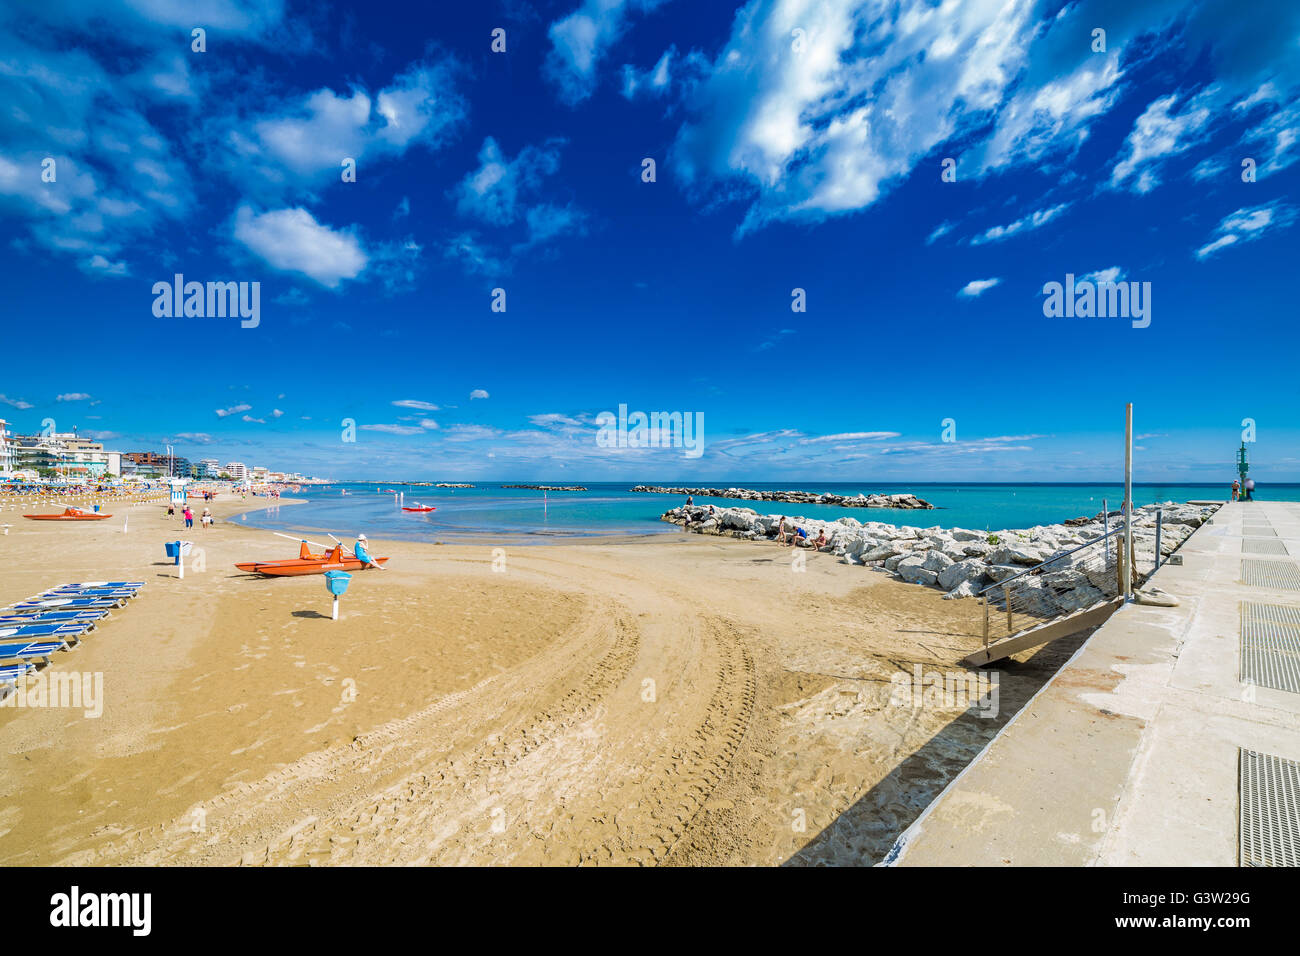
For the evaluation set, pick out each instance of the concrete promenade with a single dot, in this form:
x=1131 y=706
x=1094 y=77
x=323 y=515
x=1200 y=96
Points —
x=1131 y=755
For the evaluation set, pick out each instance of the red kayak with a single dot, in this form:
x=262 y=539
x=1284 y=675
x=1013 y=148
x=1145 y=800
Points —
x=307 y=562
x=71 y=514
x=420 y=509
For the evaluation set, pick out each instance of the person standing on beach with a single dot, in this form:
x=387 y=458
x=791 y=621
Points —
x=781 y=532
x=1250 y=489
x=189 y=517
x=1235 y=487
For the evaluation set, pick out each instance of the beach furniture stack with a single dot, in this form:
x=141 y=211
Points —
x=54 y=620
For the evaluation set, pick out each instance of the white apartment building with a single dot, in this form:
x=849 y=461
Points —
x=8 y=455
x=236 y=470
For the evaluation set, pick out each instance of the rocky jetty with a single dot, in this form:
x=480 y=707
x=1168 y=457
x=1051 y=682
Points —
x=961 y=561
x=452 y=484
x=549 y=487
x=795 y=497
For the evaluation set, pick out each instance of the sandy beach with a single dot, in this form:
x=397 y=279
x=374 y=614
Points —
x=678 y=700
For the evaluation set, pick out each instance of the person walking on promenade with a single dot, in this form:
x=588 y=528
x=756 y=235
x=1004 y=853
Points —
x=1235 y=487
x=1250 y=489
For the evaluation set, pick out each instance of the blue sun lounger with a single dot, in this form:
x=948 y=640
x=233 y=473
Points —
x=66 y=604
x=34 y=617
x=133 y=585
x=64 y=629
x=90 y=592
x=32 y=650
x=15 y=671
x=11 y=675
x=93 y=592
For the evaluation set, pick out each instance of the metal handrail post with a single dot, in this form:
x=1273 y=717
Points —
x=1159 y=516
x=1128 y=501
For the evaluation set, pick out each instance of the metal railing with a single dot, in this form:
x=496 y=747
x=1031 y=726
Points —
x=1065 y=582
x=1072 y=580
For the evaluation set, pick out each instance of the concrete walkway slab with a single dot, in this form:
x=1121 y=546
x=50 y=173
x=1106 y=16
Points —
x=1130 y=755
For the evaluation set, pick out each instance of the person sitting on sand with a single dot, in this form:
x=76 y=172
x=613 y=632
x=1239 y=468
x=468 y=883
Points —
x=799 y=538
x=822 y=541
x=363 y=554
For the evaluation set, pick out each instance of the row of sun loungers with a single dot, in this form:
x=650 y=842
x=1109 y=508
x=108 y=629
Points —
x=55 y=620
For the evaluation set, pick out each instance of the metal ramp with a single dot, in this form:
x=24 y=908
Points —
x=1068 y=593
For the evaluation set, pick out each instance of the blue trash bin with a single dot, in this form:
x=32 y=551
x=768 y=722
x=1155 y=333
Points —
x=337 y=582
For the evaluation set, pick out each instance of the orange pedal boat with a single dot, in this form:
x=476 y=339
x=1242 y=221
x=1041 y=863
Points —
x=71 y=514
x=308 y=562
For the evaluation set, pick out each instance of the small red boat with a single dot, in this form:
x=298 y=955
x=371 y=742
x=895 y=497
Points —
x=71 y=514
x=419 y=508
x=308 y=562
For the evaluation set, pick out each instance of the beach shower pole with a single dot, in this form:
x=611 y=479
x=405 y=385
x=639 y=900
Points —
x=1128 y=501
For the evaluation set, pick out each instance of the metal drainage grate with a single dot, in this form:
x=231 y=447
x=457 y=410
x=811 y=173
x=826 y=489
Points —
x=1270 y=810
x=1264 y=546
x=1259 y=532
x=1270 y=646
x=1270 y=574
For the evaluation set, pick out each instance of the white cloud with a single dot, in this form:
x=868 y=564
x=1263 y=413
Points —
x=232 y=410
x=1024 y=224
x=1113 y=274
x=16 y=403
x=848 y=437
x=302 y=143
x=477 y=393
x=820 y=131
x=1246 y=225
x=555 y=420
x=416 y=404
x=1161 y=132
x=258 y=421
x=73 y=397
x=291 y=240
x=493 y=191
x=394 y=429
x=276 y=413
x=977 y=287
x=580 y=41
x=99 y=265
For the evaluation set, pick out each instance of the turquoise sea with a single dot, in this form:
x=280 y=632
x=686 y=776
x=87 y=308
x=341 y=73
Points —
x=489 y=512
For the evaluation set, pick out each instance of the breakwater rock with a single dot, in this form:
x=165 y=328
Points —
x=795 y=497
x=961 y=561
x=549 y=487
x=452 y=484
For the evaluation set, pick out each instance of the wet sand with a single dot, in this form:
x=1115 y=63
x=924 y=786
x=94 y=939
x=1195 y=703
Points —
x=677 y=700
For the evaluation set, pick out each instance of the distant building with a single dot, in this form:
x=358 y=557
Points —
x=66 y=453
x=209 y=468
x=236 y=470
x=8 y=455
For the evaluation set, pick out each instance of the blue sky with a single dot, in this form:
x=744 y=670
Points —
x=797 y=145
